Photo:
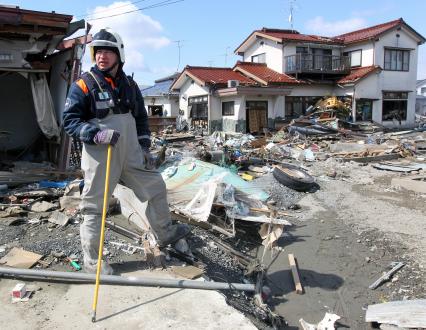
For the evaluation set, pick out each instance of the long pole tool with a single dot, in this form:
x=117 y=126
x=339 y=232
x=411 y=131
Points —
x=101 y=241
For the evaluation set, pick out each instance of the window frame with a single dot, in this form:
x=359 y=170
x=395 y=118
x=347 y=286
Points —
x=349 y=54
x=395 y=97
x=258 y=56
x=224 y=104
x=198 y=107
x=403 y=51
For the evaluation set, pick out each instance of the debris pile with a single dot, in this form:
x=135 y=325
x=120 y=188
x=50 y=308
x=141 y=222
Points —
x=238 y=192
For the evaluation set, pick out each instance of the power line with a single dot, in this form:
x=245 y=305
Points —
x=160 y=4
x=105 y=10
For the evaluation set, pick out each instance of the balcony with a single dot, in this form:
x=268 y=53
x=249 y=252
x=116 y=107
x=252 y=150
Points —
x=321 y=64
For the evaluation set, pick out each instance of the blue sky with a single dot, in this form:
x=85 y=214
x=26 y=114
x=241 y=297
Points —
x=209 y=29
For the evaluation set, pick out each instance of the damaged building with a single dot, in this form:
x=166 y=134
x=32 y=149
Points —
x=284 y=72
x=37 y=66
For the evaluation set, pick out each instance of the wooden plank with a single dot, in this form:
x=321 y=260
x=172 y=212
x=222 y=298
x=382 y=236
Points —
x=368 y=159
x=404 y=314
x=295 y=272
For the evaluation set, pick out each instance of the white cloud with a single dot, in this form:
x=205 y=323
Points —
x=320 y=26
x=139 y=32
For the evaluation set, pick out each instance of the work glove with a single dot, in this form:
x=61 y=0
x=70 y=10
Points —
x=149 y=159
x=106 y=136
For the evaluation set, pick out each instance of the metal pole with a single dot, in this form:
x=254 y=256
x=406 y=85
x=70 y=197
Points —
x=131 y=281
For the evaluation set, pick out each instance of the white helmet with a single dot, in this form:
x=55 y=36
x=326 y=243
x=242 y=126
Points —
x=106 y=39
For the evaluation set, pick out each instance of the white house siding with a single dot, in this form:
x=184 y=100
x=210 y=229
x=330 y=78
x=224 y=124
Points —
x=230 y=123
x=313 y=90
x=190 y=89
x=170 y=104
x=366 y=88
x=367 y=52
x=399 y=80
x=419 y=89
x=272 y=50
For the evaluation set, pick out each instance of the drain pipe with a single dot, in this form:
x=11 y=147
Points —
x=131 y=280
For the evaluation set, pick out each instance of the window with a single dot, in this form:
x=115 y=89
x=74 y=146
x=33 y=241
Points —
x=355 y=57
x=397 y=59
x=155 y=110
x=6 y=58
x=423 y=91
x=394 y=106
x=228 y=108
x=260 y=58
x=198 y=108
x=302 y=50
x=295 y=106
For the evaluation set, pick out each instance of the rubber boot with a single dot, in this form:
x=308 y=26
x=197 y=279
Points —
x=181 y=230
x=106 y=269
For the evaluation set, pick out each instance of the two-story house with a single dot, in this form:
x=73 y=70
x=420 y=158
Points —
x=283 y=72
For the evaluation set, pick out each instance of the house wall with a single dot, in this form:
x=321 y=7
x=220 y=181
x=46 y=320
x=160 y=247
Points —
x=313 y=90
x=399 y=80
x=235 y=122
x=367 y=54
x=19 y=51
x=170 y=104
x=17 y=112
x=188 y=90
x=421 y=106
x=419 y=89
x=273 y=51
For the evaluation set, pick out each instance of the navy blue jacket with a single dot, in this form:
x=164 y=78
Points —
x=79 y=109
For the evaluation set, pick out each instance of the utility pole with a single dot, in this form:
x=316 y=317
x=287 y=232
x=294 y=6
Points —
x=179 y=45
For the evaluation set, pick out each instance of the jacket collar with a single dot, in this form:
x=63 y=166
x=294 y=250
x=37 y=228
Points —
x=117 y=77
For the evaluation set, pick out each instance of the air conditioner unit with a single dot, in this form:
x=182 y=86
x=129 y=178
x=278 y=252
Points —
x=233 y=83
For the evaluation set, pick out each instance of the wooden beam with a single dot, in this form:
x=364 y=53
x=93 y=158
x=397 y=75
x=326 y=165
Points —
x=295 y=272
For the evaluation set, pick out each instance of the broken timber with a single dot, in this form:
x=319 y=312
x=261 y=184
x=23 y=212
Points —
x=385 y=277
x=295 y=272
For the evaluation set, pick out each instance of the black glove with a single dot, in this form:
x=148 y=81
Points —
x=106 y=136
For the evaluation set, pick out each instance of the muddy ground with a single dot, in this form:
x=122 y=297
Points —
x=344 y=235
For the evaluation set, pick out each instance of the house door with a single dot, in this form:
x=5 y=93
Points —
x=257 y=116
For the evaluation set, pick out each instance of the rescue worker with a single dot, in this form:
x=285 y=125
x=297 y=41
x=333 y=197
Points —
x=105 y=107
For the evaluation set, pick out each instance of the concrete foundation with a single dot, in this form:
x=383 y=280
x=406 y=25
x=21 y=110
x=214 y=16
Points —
x=62 y=306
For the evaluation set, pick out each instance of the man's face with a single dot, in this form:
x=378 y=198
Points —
x=105 y=59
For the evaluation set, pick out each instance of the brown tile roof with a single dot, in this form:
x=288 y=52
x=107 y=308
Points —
x=265 y=74
x=370 y=32
x=289 y=35
x=358 y=73
x=212 y=75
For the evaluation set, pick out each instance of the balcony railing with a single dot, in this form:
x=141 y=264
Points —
x=309 y=63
